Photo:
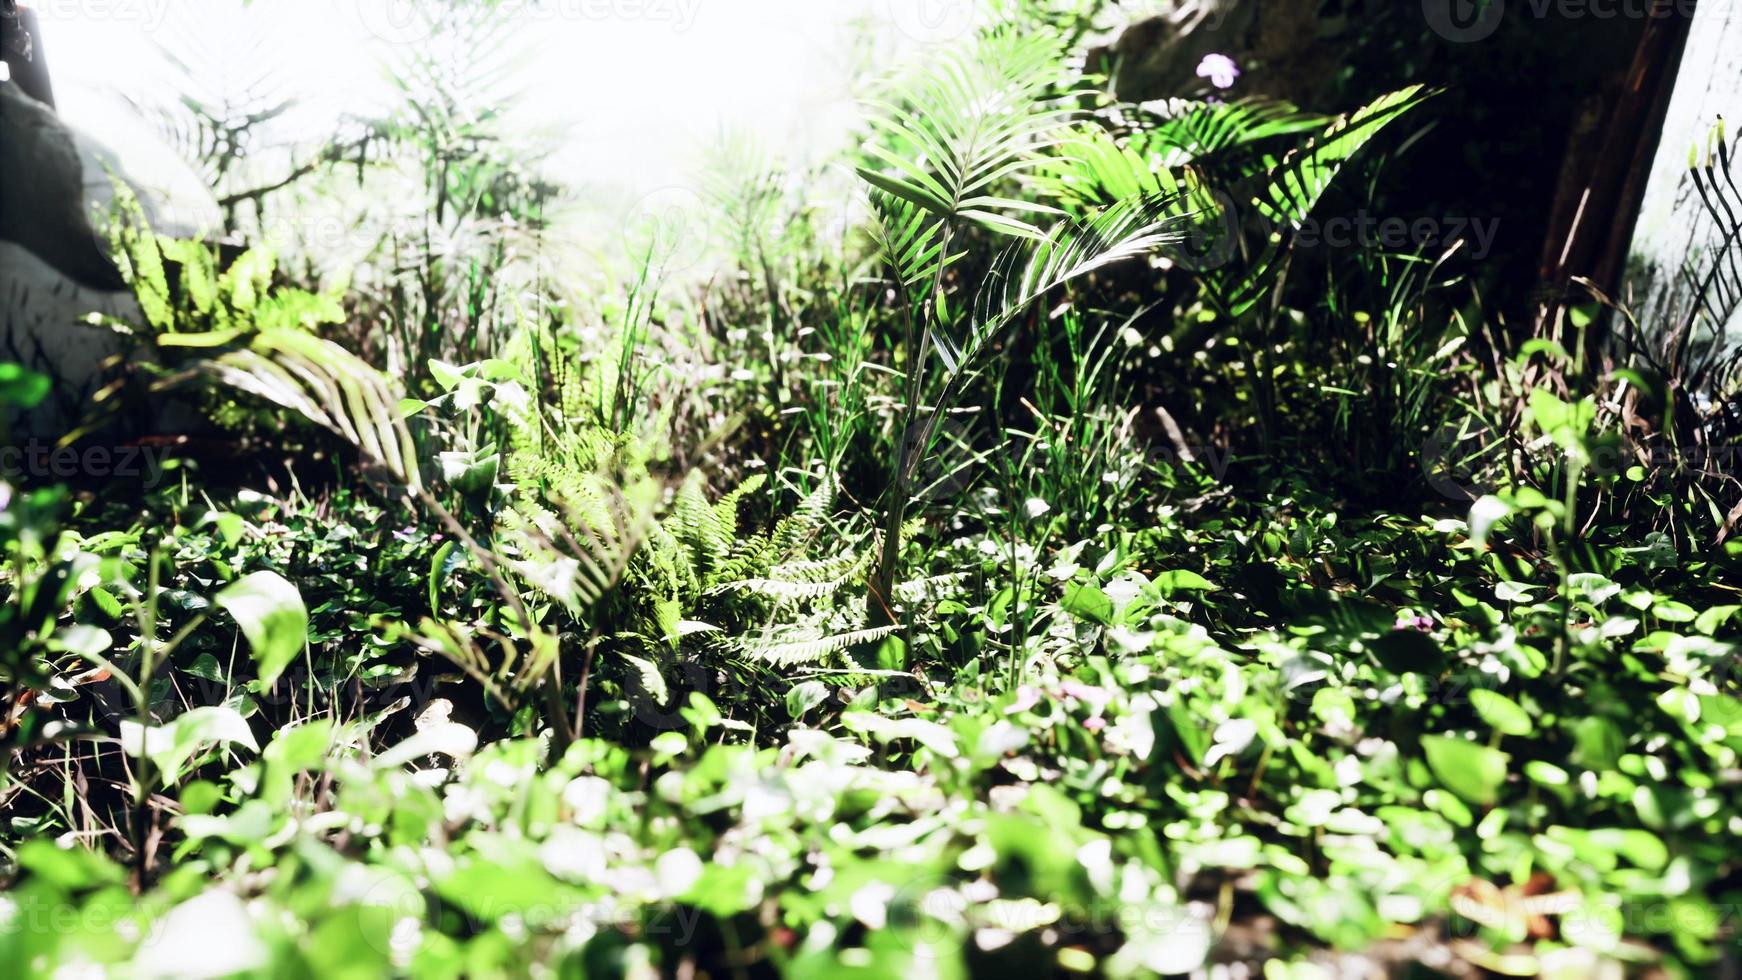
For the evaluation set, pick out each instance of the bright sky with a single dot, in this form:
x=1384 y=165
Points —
x=637 y=84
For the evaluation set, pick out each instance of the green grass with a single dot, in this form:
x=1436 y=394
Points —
x=1003 y=589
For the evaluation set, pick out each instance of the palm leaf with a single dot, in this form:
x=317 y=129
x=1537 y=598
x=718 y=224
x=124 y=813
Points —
x=330 y=387
x=946 y=137
x=1297 y=183
x=1076 y=247
x=1180 y=131
x=1294 y=187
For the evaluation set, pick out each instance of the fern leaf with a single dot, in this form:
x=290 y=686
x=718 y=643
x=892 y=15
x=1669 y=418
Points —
x=786 y=650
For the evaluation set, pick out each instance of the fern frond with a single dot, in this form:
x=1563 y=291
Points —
x=787 y=648
x=778 y=589
x=825 y=570
x=726 y=508
x=794 y=532
x=932 y=589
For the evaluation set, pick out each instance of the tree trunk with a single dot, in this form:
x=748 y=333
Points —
x=1673 y=241
x=21 y=49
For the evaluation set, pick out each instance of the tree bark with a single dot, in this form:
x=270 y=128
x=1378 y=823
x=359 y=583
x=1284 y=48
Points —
x=1674 y=232
x=21 y=49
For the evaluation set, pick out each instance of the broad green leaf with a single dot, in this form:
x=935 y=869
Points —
x=927 y=733
x=1474 y=772
x=273 y=618
x=206 y=668
x=1598 y=743
x=1088 y=602
x=440 y=565
x=1709 y=621
x=441 y=738
x=170 y=746
x=1182 y=580
x=20 y=387
x=1501 y=712
x=801 y=698
x=300 y=747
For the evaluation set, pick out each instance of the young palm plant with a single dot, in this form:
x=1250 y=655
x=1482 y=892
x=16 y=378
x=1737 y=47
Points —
x=945 y=143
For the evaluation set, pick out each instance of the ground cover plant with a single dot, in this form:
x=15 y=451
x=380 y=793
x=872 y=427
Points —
x=1055 y=567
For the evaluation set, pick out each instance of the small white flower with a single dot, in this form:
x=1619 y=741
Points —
x=1036 y=507
x=678 y=870
x=1219 y=69
x=870 y=904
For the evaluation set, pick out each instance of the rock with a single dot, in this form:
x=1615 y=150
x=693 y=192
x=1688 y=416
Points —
x=1280 y=46
x=55 y=271
x=42 y=201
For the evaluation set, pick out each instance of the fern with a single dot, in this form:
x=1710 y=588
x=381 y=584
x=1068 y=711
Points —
x=787 y=648
x=237 y=326
x=947 y=142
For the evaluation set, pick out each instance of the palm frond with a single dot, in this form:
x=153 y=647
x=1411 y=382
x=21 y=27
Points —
x=1297 y=183
x=1089 y=168
x=1293 y=188
x=946 y=137
x=911 y=240
x=330 y=387
x=1176 y=132
x=1025 y=272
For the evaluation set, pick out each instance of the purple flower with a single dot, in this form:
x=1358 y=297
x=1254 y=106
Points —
x=1219 y=69
x=1077 y=690
x=1026 y=697
x=405 y=535
x=1422 y=623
